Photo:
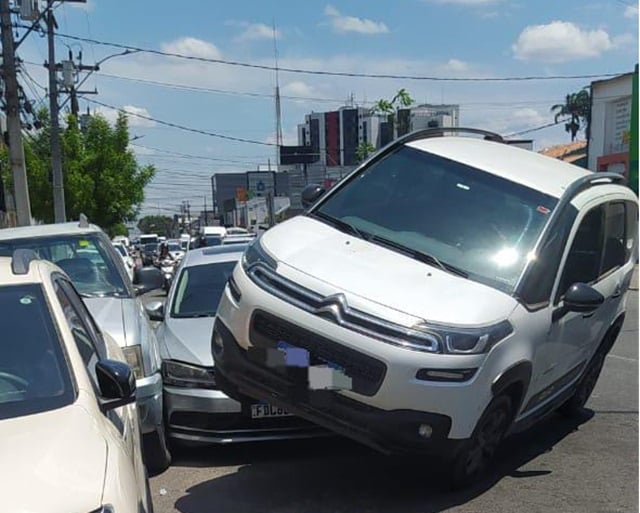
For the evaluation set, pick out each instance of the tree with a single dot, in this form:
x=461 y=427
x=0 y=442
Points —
x=389 y=107
x=363 y=150
x=102 y=178
x=578 y=107
x=162 y=225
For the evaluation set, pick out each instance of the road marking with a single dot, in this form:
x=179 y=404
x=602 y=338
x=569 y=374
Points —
x=623 y=358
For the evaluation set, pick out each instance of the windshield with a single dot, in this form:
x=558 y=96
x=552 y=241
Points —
x=481 y=224
x=174 y=246
x=120 y=249
x=213 y=240
x=84 y=258
x=200 y=289
x=34 y=376
x=150 y=248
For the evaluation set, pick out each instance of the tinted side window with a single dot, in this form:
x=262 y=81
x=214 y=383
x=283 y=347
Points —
x=583 y=260
x=616 y=241
x=80 y=333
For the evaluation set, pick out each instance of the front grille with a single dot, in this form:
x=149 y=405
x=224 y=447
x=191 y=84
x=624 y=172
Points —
x=366 y=372
x=334 y=308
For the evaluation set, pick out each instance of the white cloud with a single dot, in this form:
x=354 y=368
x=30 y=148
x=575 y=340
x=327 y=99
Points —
x=257 y=31
x=463 y=2
x=455 y=65
x=343 y=24
x=560 y=41
x=297 y=88
x=193 y=47
x=624 y=40
x=134 y=120
x=631 y=11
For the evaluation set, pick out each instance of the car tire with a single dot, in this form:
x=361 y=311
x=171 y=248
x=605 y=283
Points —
x=574 y=406
x=474 y=455
x=156 y=452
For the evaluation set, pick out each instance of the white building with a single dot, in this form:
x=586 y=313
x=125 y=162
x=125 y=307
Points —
x=608 y=148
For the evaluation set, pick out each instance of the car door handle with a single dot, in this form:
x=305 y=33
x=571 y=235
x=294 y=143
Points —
x=617 y=292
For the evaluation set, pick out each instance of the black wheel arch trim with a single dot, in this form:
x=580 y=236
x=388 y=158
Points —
x=518 y=374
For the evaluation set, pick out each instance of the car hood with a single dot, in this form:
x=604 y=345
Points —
x=189 y=340
x=355 y=266
x=53 y=461
x=116 y=316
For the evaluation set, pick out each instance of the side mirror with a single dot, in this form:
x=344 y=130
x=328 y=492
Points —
x=155 y=310
x=117 y=384
x=311 y=194
x=146 y=279
x=582 y=298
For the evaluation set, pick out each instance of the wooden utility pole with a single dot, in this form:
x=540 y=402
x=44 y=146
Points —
x=14 y=125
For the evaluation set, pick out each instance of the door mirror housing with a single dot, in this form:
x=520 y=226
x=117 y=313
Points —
x=311 y=194
x=155 y=310
x=117 y=384
x=581 y=297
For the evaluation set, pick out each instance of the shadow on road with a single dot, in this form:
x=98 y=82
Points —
x=335 y=474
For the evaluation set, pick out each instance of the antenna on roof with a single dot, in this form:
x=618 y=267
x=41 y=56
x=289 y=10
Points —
x=84 y=222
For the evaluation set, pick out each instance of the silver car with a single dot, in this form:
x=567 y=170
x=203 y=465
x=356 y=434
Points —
x=195 y=409
x=87 y=256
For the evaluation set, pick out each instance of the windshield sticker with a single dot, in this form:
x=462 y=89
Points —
x=83 y=243
x=543 y=210
x=26 y=300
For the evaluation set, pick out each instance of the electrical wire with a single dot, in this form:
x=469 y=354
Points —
x=332 y=73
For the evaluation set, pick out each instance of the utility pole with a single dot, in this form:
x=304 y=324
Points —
x=59 y=210
x=205 y=211
x=14 y=127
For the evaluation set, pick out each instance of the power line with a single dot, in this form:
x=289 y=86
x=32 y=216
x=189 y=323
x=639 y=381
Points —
x=182 y=127
x=190 y=156
x=333 y=73
x=529 y=130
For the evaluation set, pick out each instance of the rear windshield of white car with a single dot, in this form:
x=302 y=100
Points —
x=120 y=249
x=200 y=288
x=34 y=376
x=445 y=213
x=84 y=258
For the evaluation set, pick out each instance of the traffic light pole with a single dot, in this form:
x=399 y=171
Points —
x=14 y=126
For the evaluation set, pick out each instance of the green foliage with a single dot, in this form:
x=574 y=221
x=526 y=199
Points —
x=162 y=225
x=401 y=99
x=363 y=150
x=102 y=178
x=577 y=106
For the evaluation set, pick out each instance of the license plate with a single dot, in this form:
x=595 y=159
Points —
x=262 y=411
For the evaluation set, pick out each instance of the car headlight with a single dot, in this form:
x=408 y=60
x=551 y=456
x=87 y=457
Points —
x=255 y=254
x=181 y=374
x=133 y=356
x=464 y=340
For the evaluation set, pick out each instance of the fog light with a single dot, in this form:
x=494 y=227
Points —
x=425 y=430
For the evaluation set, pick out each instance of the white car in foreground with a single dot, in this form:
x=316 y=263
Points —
x=69 y=428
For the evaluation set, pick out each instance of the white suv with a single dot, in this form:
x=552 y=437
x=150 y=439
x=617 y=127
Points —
x=69 y=426
x=448 y=291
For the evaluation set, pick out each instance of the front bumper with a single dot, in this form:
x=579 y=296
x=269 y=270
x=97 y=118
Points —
x=149 y=401
x=389 y=431
x=210 y=416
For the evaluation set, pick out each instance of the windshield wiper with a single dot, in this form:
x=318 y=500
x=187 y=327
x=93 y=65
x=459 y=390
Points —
x=419 y=255
x=342 y=225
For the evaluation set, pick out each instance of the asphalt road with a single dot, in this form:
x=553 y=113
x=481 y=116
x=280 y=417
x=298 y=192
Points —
x=588 y=465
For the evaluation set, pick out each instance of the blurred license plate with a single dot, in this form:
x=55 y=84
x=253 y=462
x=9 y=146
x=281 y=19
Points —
x=261 y=411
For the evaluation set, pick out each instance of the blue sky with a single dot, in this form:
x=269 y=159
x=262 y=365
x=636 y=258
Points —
x=443 y=38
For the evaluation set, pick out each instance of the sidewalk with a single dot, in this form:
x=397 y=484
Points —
x=634 y=279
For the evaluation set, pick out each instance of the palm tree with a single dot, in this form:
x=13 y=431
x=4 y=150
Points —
x=578 y=107
x=401 y=99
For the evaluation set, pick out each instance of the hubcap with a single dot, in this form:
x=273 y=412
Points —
x=486 y=442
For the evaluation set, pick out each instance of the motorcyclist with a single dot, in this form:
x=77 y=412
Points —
x=164 y=253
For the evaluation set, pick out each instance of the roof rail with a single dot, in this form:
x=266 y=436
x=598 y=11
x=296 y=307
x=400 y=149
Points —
x=426 y=133
x=84 y=221
x=21 y=259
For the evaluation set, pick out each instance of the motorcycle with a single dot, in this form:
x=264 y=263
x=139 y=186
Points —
x=168 y=268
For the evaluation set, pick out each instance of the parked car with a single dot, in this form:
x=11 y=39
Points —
x=69 y=431
x=195 y=408
x=129 y=264
x=448 y=292
x=88 y=257
x=237 y=239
